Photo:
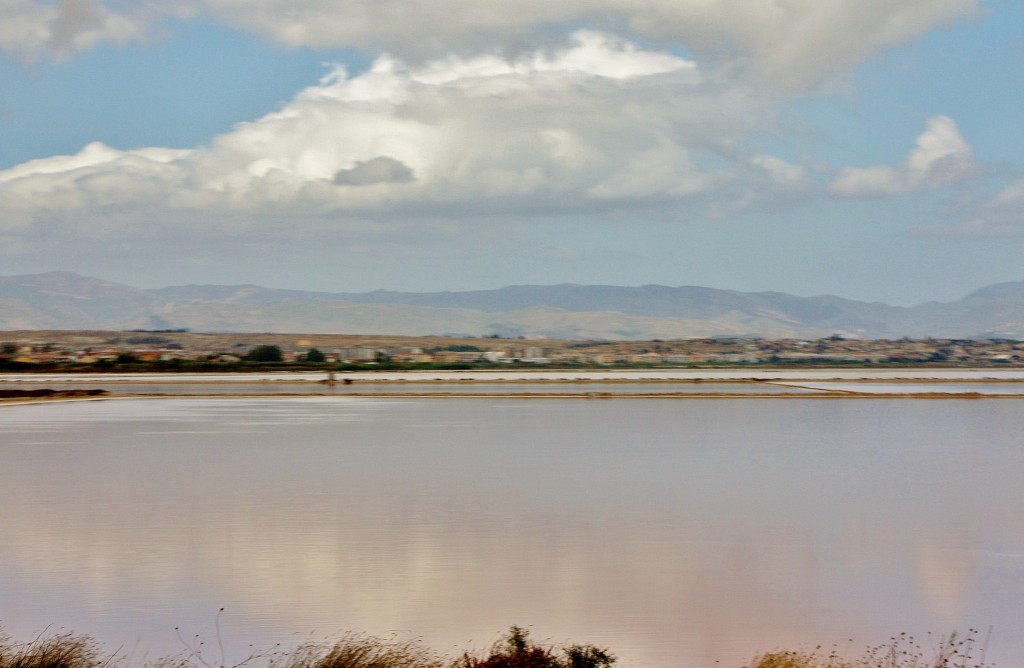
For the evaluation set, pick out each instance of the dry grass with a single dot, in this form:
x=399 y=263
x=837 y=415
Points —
x=514 y=650
x=902 y=651
x=358 y=651
x=60 y=650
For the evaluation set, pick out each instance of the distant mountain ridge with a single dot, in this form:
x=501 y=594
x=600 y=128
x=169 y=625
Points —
x=64 y=300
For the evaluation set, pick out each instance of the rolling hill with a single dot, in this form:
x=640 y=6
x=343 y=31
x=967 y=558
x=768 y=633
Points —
x=63 y=300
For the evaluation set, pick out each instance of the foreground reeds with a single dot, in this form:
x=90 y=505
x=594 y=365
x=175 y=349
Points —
x=62 y=650
x=514 y=650
x=902 y=651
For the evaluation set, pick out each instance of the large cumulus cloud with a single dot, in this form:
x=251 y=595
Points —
x=476 y=111
x=596 y=123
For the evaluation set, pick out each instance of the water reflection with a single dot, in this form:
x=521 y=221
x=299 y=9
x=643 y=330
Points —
x=677 y=533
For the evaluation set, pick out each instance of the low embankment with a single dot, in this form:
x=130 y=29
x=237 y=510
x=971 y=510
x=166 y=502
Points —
x=45 y=393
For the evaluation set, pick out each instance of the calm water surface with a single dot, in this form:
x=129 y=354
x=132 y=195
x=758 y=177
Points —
x=677 y=533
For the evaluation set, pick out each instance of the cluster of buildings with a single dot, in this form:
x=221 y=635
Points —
x=792 y=352
x=229 y=349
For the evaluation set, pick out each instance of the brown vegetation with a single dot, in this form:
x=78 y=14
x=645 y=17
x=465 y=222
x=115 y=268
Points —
x=46 y=393
x=953 y=651
x=514 y=650
x=63 y=650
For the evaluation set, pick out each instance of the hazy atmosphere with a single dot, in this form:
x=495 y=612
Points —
x=865 y=148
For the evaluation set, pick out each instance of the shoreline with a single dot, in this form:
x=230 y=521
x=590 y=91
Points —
x=538 y=376
x=822 y=395
x=534 y=384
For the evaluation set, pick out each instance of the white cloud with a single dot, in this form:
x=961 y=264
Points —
x=941 y=158
x=596 y=121
x=473 y=128
x=33 y=30
x=789 y=45
x=794 y=44
x=599 y=124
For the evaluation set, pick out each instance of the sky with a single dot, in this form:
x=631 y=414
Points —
x=865 y=148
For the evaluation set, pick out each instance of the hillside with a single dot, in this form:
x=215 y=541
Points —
x=63 y=300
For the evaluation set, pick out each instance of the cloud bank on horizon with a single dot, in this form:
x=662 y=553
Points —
x=522 y=126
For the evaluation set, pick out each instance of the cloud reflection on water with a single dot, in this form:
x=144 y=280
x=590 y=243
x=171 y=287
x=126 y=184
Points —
x=670 y=531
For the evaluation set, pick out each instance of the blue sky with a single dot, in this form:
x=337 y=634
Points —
x=864 y=148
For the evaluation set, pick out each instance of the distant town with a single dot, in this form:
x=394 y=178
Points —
x=183 y=350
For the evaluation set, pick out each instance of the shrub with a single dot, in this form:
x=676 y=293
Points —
x=265 y=354
x=314 y=356
x=516 y=651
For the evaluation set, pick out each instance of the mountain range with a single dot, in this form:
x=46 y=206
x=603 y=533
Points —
x=64 y=300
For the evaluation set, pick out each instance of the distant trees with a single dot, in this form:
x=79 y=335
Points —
x=264 y=354
x=314 y=356
x=457 y=348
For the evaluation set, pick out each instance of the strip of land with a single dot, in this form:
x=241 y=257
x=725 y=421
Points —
x=538 y=376
x=531 y=384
